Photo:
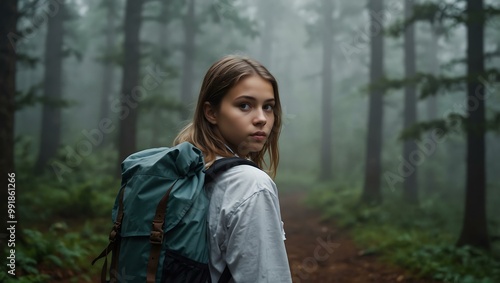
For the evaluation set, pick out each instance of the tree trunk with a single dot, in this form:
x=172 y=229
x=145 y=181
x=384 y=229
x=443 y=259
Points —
x=51 y=116
x=326 y=104
x=474 y=229
x=130 y=92
x=157 y=128
x=432 y=107
x=8 y=21
x=410 y=152
x=108 y=67
x=371 y=190
x=187 y=65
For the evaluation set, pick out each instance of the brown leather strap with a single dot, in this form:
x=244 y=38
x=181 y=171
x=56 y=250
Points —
x=116 y=238
x=113 y=267
x=156 y=236
x=104 y=270
x=110 y=248
x=104 y=254
x=113 y=246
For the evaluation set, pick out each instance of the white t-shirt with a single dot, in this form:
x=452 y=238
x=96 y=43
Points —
x=245 y=228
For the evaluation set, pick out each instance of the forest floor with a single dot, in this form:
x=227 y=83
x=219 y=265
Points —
x=320 y=252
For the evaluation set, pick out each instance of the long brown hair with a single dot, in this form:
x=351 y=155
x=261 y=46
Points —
x=219 y=79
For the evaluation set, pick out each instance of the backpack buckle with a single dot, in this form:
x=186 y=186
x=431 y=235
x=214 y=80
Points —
x=156 y=236
x=114 y=231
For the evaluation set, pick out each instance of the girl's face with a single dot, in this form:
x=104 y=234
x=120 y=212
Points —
x=246 y=115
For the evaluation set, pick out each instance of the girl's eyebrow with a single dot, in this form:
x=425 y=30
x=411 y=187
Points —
x=253 y=98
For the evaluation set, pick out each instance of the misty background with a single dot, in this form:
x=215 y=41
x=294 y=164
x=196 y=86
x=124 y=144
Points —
x=285 y=36
x=386 y=81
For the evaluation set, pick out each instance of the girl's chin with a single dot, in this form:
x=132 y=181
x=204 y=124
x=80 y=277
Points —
x=256 y=148
x=251 y=148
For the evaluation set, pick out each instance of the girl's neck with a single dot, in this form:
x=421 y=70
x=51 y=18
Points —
x=230 y=150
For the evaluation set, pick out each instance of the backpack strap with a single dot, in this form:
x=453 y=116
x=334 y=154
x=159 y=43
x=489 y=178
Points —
x=114 y=243
x=156 y=236
x=217 y=168
x=224 y=164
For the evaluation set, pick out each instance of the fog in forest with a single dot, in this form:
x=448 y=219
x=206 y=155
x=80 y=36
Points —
x=289 y=38
x=395 y=100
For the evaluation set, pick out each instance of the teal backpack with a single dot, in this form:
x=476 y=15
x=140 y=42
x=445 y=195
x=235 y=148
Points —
x=160 y=217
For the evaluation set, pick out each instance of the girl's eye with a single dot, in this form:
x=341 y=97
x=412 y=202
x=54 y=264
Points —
x=269 y=107
x=245 y=106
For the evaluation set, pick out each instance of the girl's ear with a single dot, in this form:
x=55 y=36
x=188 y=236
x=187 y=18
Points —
x=210 y=113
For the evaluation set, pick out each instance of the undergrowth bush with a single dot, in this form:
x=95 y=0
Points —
x=420 y=239
x=58 y=252
x=64 y=220
x=83 y=191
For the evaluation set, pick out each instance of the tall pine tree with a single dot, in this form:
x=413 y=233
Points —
x=475 y=227
x=130 y=80
x=52 y=87
x=373 y=167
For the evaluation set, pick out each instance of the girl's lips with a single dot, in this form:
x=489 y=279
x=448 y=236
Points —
x=259 y=133
x=258 y=137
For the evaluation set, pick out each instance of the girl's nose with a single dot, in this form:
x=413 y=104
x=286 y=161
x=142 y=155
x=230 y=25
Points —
x=260 y=118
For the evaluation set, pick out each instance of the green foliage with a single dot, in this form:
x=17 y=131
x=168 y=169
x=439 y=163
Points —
x=32 y=278
x=87 y=190
x=418 y=238
x=32 y=97
x=60 y=251
x=27 y=60
x=71 y=51
x=454 y=123
x=430 y=84
x=28 y=98
x=64 y=222
x=228 y=12
x=488 y=55
x=74 y=202
x=112 y=55
x=452 y=264
x=328 y=202
x=447 y=15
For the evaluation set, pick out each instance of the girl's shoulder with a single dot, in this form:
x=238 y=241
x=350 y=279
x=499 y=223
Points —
x=246 y=185
x=246 y=174
x=243 y=182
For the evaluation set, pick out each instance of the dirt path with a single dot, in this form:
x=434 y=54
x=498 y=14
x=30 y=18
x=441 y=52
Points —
x=318 y=252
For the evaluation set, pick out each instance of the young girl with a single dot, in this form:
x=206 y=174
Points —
x=239 y=114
